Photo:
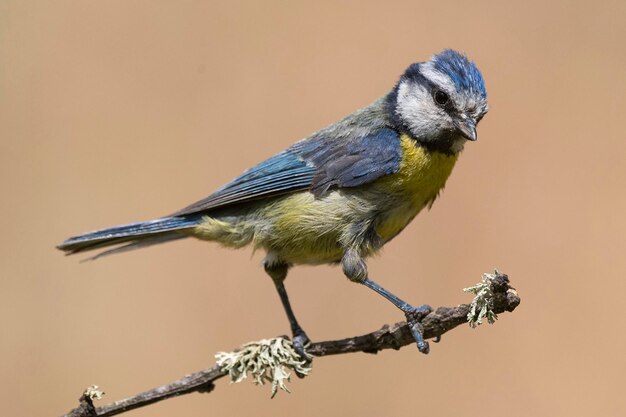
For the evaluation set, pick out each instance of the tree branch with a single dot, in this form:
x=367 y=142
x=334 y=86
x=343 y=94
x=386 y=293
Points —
x=394 y=336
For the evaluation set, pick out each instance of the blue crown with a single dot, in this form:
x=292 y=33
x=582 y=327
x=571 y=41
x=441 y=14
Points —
x=465 y=75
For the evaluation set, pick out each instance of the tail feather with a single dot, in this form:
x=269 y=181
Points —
x=136 y=235
x=138 y=244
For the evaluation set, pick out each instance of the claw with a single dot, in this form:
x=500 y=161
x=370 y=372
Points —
x=300 y=340
x=414 y=318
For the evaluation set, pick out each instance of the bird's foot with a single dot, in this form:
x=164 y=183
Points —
x=414 y=317
x=300 y=341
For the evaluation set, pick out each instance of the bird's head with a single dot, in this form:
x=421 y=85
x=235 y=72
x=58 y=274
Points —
x=440 y=102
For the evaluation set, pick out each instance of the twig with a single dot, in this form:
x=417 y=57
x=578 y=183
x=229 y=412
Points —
x=393 y=336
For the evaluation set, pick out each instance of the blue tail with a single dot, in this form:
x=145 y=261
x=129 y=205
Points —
x=135 y=235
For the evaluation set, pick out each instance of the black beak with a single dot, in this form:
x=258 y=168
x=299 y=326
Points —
x=467 y=128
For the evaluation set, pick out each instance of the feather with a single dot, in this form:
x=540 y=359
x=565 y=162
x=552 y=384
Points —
x=317 y=164
x=132 y=232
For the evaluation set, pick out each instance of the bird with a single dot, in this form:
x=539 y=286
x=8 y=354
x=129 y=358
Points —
x=338 y=195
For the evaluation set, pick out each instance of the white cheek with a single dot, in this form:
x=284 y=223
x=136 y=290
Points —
x=418 y=111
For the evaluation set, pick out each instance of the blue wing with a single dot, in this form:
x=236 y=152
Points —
x=351 y=162
x=317 y=164
x=282 y=173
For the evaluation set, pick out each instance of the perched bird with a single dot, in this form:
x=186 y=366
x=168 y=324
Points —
x=340 y=194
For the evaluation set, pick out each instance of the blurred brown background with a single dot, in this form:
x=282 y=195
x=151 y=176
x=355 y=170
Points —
x=116 y=111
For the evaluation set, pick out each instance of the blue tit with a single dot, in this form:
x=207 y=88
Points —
x=337 y=196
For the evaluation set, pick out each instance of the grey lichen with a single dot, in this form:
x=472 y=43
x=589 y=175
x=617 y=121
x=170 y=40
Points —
x=482 y=305
x=93 y=393
x=267 y=360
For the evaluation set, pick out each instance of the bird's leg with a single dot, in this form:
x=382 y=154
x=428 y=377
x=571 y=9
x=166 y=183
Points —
x=356 y=270
x=414 y=315
x=278 y=273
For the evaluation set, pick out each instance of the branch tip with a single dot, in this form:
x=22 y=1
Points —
x=94 y=393
x=482 y=306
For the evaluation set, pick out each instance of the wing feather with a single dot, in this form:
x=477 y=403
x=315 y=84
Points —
x=283 y=173
x=317 y=164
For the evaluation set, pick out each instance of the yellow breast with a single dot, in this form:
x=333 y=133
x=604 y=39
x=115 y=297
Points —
x=421 y=176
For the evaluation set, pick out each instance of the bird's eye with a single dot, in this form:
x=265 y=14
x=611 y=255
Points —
x=441 y=97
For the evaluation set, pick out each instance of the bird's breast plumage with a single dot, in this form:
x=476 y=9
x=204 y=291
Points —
x=417 y=183
x=307 y=229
